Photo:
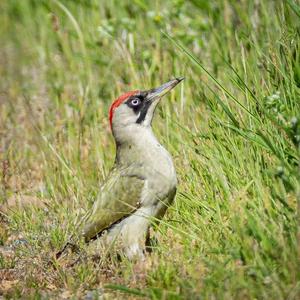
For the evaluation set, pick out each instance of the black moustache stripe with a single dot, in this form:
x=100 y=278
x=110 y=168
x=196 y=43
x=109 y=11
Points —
x=143 y=112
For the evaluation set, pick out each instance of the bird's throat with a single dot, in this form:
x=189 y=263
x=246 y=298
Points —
x=143 y=149
x=137 y=147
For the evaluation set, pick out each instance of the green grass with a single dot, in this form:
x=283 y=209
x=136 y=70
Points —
x=232 y=127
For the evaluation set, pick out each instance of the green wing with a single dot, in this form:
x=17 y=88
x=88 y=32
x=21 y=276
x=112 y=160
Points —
x=119 y=196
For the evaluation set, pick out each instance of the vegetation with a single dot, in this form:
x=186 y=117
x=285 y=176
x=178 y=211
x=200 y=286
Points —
x=233 y=128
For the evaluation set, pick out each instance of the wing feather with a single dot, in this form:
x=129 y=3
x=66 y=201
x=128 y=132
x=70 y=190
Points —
x=119 y=196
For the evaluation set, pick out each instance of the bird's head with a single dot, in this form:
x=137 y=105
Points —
x=135 y=109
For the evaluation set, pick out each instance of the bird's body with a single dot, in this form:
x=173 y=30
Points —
x=145 y=186
x=142 y=183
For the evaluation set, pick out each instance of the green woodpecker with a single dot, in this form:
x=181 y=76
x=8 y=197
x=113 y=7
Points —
x=142 y=183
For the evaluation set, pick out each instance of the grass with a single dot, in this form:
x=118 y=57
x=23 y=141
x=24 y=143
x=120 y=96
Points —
x=233 y=129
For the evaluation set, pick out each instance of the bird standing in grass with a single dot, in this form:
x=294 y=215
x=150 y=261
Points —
x=142 y=183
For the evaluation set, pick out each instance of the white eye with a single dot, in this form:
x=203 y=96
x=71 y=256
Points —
x=135 y=101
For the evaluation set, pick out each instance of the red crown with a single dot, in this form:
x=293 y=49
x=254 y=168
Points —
x=118 y=102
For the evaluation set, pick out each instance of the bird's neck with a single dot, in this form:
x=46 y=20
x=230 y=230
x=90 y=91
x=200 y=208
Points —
x=136 y=145
x=142 y=149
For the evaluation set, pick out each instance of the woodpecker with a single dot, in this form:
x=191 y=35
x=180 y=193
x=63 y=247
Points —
x=142 y=183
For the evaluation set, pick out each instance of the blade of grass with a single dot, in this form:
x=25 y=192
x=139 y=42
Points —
x=197 y=63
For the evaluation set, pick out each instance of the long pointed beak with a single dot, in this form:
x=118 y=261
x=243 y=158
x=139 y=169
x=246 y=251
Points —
x=163 y=89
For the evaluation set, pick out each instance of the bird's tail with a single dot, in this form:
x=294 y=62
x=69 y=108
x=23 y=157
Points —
x=69 y=245
x=73 y=242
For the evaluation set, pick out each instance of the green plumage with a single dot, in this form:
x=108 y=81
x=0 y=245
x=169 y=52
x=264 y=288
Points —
x=119 y=196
